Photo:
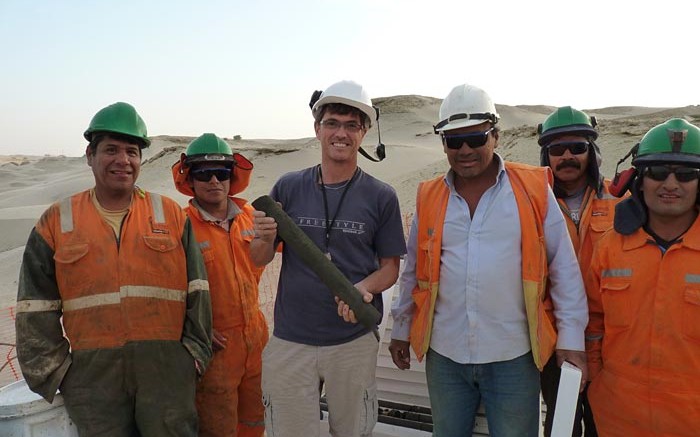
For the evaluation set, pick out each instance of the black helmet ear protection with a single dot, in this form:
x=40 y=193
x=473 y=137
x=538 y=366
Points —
x=314 y=98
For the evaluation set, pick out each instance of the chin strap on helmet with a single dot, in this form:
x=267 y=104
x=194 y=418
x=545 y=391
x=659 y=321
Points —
x=623 y=179
x=380 y=150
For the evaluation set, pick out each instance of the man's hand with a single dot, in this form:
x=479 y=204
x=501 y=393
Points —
x=265 y=227
x=344 y=310
x=578 y=359
x=218 y=341
x=400 y=353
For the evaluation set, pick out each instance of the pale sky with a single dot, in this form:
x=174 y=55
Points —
x=249 y=67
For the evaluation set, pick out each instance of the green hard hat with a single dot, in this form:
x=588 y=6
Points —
x=208 y=148
x=566 y=121
x=675 y=142
x=120 y=118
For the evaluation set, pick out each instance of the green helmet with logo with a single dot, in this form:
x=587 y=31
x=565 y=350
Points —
x=208 y=148
x=120 y=118
x=566 y=121
x=674 y=142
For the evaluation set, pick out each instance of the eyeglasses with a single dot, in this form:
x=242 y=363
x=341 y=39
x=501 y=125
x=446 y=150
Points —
x=331 y=124
x=659 y=173
x=473 y=139
x=575 y=147
x=205 y=174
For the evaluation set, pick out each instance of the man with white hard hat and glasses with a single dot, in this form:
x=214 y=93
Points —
x=355 y=220
x=485 y=240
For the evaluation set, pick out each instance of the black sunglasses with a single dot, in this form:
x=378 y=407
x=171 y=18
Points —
x=473 y=139
x=205 y=174
x=659 y=173
x=575 y=147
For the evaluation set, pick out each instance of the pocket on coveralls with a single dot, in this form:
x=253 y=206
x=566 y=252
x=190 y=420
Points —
x=617 y=304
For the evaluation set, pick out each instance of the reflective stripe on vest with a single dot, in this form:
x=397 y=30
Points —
x=198 y=285
x=35 y=306
x=617 y=273
x=126 y=291
x=692 y=279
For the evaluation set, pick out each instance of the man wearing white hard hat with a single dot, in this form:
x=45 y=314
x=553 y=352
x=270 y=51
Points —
x=355 y=220
x=486 y=242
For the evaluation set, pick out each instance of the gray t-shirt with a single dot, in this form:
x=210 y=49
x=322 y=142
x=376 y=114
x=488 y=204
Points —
x=573 y=203
x=367 y=227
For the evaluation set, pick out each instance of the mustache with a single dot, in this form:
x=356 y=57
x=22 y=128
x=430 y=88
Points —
x=569 y=163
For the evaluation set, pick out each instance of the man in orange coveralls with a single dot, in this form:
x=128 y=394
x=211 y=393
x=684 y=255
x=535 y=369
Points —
x=229 y=397
x=567 y=139
x=644 y=285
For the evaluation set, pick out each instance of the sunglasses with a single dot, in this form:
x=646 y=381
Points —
x=473 y=139
x=205 y=174
x=659 y=173
x=575 y=147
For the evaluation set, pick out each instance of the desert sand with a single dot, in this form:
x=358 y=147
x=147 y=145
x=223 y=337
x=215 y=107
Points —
x=30 y=184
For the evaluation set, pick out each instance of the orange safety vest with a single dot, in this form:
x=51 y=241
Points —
x=597 y=214
x=233 y=278
x=115 y=293
x=530 y=186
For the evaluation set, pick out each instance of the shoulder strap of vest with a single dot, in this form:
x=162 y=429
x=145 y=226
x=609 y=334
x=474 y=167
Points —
x=428 y=187
x=533 y=183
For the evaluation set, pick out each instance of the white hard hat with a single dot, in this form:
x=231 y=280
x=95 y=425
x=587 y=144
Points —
x=349 y=93
x=466 y=105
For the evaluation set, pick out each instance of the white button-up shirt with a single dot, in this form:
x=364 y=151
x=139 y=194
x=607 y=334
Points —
x=480 y=310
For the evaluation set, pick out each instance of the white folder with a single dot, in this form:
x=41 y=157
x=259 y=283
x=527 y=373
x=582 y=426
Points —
x=567 y=398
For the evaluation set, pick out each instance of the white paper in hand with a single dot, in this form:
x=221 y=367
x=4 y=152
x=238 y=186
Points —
x=567 y=397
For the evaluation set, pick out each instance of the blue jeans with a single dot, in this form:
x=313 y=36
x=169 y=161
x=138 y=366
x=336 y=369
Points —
x=510 y=391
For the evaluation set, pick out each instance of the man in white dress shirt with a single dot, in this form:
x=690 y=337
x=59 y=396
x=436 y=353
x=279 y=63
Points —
x=488 y=254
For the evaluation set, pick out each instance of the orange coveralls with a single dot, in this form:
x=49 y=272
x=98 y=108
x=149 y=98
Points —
x=229 y=396
x=645 y=365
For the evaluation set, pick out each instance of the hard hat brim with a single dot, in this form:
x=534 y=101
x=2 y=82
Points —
x=325 y=100
x=579 y=129
x=216 y=158
x=685 y=159
x=457 y=124
x=137 y=140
